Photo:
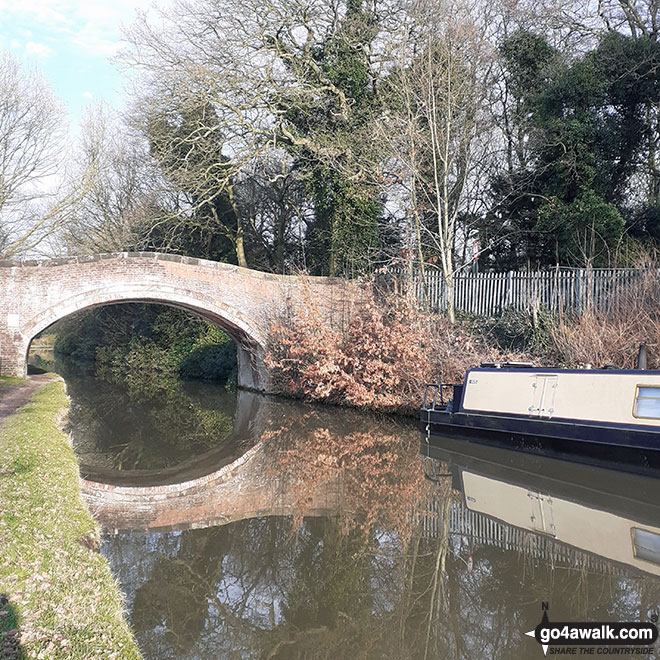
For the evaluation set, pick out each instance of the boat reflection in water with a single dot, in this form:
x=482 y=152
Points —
x=568 y=507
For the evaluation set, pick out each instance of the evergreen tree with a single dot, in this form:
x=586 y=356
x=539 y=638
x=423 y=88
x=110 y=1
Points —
x=584 y=131
x=337 y=160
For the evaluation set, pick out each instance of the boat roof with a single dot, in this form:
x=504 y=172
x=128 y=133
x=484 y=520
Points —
x=509 y=367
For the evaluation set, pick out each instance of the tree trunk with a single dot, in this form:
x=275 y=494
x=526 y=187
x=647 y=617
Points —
x=240 y=248
x=652 y=165
x=332 y=261
x=279 y=249
x=239 y=244
x=449 y=284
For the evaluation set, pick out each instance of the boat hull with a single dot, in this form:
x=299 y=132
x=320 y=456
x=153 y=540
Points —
x=597 y=440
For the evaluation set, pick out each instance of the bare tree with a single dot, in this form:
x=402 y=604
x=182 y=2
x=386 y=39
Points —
x=635 y=17
x=272 y=200
x=125 y=195
x=201 y=109
x=441 y=85
x=35 y=197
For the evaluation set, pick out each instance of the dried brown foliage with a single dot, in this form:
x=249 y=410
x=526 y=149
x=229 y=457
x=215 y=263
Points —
x=457 y=347
x=387 y=349
x=613 y=336
x=380 y=358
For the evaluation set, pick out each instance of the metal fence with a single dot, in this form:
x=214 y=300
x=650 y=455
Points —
x=565 y=289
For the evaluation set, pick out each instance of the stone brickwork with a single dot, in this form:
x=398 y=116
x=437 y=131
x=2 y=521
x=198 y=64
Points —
x=243 y=302
x=246 y=488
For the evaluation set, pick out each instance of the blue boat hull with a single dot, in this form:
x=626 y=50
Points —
x=513 y=430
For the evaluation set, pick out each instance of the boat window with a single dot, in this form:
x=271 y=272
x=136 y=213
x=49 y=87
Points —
x=647 y=545
x=647 y=403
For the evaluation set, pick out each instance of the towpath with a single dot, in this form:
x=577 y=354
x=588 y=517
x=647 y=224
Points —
x=12 y=397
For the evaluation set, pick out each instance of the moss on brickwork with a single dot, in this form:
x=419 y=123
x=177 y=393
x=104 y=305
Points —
x=58 y=598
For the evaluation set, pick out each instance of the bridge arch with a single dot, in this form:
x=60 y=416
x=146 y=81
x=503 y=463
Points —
x=244 y=302
x=250 y=344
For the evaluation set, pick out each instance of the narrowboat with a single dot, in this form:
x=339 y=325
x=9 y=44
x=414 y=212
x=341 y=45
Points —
x=516 y=402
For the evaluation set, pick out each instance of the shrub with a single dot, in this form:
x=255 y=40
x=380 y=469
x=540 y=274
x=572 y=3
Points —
x=379 y=359
x=210 y=362
x=135 y=337
x=382 y=357
x=462 y=345
x=529 y=331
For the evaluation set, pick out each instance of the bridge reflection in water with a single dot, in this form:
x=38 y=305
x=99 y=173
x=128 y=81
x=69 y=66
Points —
x=300 y=549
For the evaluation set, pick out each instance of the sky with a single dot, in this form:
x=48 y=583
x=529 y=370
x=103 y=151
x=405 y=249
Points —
x=71 y=42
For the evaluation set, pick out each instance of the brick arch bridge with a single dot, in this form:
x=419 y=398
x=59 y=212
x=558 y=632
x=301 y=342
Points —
x=243 y=302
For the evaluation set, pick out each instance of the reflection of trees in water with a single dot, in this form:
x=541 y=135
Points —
x=254 y=585
x=178 y=591
x=362 y=584
x=150 y=424
x=374 y=465
x=332 y=577
x=267 y=588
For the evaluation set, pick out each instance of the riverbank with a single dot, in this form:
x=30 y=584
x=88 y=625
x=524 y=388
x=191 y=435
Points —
x=385 y=350
x=58 y=598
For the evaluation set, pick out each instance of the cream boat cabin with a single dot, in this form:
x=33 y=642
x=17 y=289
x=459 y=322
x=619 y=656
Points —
x=511 y=403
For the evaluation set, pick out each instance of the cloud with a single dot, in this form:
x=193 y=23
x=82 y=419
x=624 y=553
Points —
x=88 y=95
x=93 y=27
x=40 y=50
x=52 y=13
x=96 y=40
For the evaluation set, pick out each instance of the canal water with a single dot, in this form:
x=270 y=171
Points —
x=244 y=526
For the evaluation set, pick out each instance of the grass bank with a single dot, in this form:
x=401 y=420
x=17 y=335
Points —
x=58 y=598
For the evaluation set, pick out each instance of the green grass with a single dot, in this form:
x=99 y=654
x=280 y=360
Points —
x=58 y=593
x=10 y=381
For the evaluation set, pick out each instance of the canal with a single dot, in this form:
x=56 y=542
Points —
x=245 y=526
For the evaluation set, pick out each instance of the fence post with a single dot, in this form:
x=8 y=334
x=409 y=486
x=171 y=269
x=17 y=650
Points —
x=508 y=292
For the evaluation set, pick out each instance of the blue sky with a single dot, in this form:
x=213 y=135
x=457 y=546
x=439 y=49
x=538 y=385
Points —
x=71 y=43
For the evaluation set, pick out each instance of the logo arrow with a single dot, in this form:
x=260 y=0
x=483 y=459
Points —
x=532 y=633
